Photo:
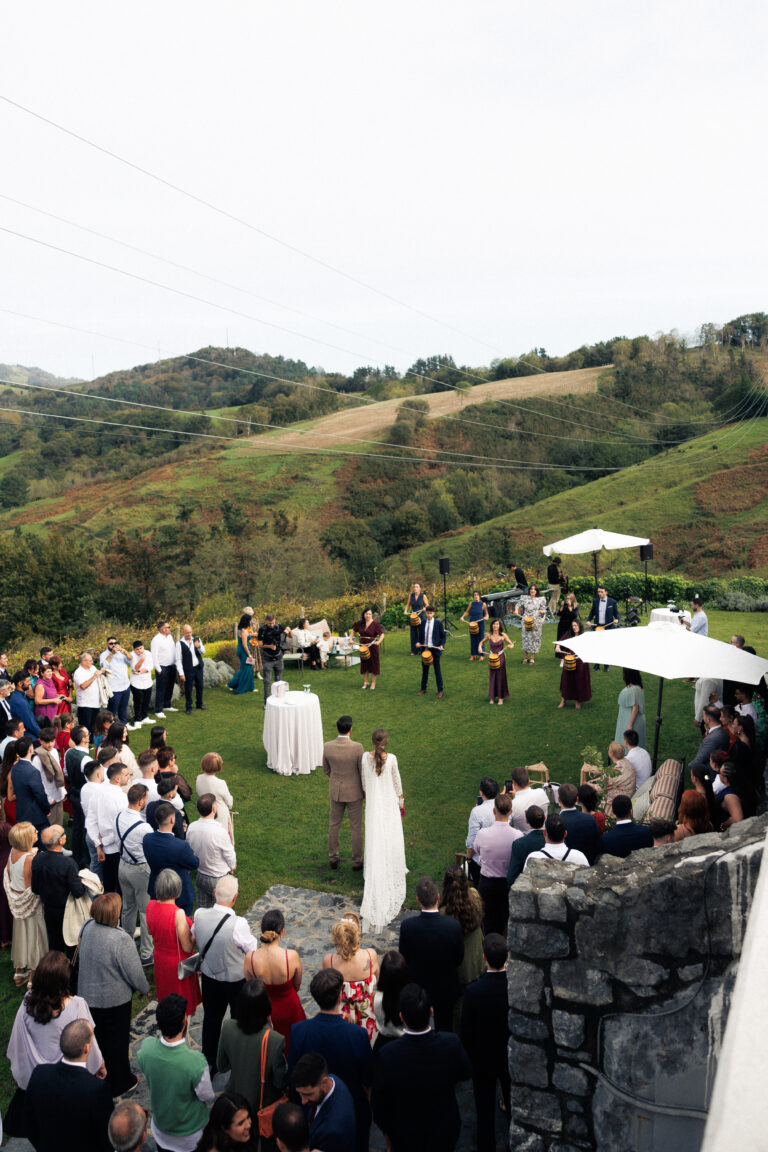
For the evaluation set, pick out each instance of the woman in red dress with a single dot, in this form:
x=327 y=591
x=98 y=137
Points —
x=371 y=634
x=170 y=930
x=280 y=969
x=63 y=684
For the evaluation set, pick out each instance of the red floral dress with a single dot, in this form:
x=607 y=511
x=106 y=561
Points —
x=357 y=1001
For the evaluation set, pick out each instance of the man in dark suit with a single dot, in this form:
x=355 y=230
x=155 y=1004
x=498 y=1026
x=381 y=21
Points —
x=189 y=666
x=332 y=1126
x=625 y=836
x=580 y=828
x=54 y=878
x=31 y=800
x=345 y=1047
x=533 y=841
x=20 y=704
x=342 y=764
x=716 y=738
x=163 y=850
x=431 y=638
x=66 y=1108
x=485 y=1036
x=128 y=1126
x=414 y=1091
x=604 y=613
x=433 y=947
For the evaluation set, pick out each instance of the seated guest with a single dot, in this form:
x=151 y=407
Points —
x=531 y=842
x=639 y=757
x=307 y=642
x=485 y=1036
x=66 y=1107
x=692 y=815
x=716 y=738
x=213 y=847
x=240 y=1048
x=522 y=798
x=177 y=1077
x=623 y=783
x=582 y=830
x=493 y=846
x=555 y=847
x=736 y=799
x=662 y=831
x=481 y=816
x=328 y=1103
x=589 y=800
x=626 y=836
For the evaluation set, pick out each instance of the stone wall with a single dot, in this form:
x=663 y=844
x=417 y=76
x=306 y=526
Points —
x=619 y=985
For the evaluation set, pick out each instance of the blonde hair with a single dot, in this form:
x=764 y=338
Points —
x=22 y=836
x=346 y=936
x=380 y=740
x=617 y=750
x=211 y=763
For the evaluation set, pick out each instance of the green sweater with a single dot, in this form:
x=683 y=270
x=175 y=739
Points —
x=173 y=1074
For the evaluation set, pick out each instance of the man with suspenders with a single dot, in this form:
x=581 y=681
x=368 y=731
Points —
x=555 y=846
x=133 y=870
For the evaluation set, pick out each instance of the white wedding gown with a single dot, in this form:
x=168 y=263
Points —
x=385 y=870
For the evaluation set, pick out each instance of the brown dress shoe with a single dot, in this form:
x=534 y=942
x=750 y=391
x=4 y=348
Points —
x=439 y=695
x=423 y=692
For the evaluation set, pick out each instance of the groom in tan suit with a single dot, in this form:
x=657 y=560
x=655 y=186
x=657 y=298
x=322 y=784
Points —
x=342 y=762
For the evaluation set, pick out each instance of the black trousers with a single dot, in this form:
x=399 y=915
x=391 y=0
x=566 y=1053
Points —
x=495 y=894
x=195 y=679
x=141 y=701
x=164 y=681
x=217 y=996
x=87 y=717
x=425 y=671
x=111 y=867
x=79 y=848
x=113 y=1032
x=484 y=1081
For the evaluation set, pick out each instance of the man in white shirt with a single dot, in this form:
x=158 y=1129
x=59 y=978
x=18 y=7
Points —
x=14 y=728
x=163 y=652
x=100 y=822
x=189 y=667
x=481 y=816
x=698 y=623
x=87 y=695
x=147 y=762
x=209 y=841
x=744 y=696
x=117 y=663
x=133 y=870
x=522 y=798
x=142 y=666
x=555 y=847
x=638 y=756
x=94 y=781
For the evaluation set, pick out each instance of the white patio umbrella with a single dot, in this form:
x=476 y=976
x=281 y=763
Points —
x=670 y=652
x=593 y=540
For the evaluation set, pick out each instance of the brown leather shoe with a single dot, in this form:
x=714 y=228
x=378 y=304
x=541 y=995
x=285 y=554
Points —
x=439 y=695
x=423 y=692
x=333 y=863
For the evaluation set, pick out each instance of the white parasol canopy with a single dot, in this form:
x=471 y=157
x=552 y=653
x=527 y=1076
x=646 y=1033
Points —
x=593 y=540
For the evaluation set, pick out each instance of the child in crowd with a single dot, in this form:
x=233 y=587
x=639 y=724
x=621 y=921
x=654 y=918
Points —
x=324 y=648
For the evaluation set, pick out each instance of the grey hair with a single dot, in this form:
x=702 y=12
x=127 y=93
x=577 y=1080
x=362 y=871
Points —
x=226 y=889
x=127 y=1125
x=52 y=835
x=167 y=885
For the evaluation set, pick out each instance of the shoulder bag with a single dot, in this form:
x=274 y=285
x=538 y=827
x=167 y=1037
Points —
x=265 y=1114
x=191 y=964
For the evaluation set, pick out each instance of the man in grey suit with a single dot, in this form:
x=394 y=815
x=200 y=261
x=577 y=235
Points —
x=342 y=763
x=715 y=740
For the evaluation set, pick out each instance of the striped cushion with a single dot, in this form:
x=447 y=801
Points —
x=664 y=791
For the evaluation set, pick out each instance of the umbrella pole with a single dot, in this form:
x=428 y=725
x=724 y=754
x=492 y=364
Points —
x=594 y=561
x=658 y=726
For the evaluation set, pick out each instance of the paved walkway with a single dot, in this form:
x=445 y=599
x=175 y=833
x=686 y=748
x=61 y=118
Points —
x=309 y=916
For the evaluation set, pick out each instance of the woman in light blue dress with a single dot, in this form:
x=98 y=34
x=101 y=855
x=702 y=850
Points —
x=631 y=706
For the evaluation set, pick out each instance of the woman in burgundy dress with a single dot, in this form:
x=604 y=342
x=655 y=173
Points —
x=280 y=969
x=371 y=634
x=575 y=681
x=496 y=640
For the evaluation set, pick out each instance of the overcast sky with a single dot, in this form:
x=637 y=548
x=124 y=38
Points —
x=513 y=175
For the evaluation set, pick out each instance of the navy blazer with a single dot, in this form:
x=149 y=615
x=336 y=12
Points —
x=22 y=710
x=433 y=947
x=611 y=610
x=625 y=838
x=164 y=850
x=485 y=1022
x=67 y=1109
x=533 y=841
x=716 y=740
x=333 y=1128
x=414 y=1093
x=438 y=633
x=582 y=832
x=347 y=1051
x=31 y=800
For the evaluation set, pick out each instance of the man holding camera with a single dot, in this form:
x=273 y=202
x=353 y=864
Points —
x=189 y=665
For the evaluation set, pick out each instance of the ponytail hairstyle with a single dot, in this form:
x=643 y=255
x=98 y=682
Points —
x=272 y=924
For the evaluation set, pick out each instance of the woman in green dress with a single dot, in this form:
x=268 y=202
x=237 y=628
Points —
x=242 y=681
x=631 y=706
x=464 y=904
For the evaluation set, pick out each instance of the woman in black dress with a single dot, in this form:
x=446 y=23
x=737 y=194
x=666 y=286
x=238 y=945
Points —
x=568 y=614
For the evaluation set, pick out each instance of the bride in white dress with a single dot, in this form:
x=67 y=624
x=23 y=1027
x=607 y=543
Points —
x=385 y=870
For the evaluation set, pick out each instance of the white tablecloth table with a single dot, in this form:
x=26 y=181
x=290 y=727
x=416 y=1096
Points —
x=293 y=733
x=664 y=615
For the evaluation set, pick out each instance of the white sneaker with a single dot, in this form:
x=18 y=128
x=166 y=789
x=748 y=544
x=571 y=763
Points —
x=137 y=933
x=133 y=727
x=147 y=720
x=169 y=709
x=160 y=715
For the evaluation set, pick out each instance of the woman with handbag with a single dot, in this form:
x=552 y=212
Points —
x=170 y=931
x=231 y=1126
x=254 y=1054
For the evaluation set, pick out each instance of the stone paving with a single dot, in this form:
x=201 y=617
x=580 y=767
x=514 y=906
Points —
x=309 y=916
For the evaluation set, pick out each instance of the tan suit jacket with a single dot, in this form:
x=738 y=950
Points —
x=342 y=762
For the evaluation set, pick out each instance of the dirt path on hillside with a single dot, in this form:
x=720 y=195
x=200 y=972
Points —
x=373 y=421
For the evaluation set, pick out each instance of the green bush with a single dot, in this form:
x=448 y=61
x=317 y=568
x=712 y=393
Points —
x=741 y=602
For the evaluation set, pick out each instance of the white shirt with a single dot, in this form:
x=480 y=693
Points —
x=142 y=679
x=242 y=936
x=700 y=624
x=162 y=650
x=52 y=792
x=86 y=697
x=212 y=846
x=132 y=851
x=428 y=629
x=197 y=654
x=118 y=669
x=481 y=816
x=643 y=765
x=602 y=608
x=521 y=802
x=150 y=784
x=88 y=793
x=100 y=821
x=747 y=710
x=557 y=852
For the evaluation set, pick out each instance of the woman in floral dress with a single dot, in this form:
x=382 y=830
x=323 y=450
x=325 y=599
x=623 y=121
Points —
x=360 y=969
x=533 y=607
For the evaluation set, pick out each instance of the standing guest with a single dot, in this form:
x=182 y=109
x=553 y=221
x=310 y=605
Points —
x=133 y=870
x=6 y=919
x=532 y=841
x=53 y=878
x=164 y=850
x=343 y=1046
x=494 y=847
x=4 y=673
x=291 y=1128
x=463 y=903
x=43 y=1015
x=101 y=725
x=117 y=736
x=14 y=728
x=698 y=623
x=497 y=638
x=371 y=635
x=167 y=793
x=716 y=738
x=575 y=681
x=533 y=609
x=209 y=783
x=554 y=576
x=280 y=969
x=172 y=939
x=223 y=939
x=7 y=794
x=189 y=668
x=384 y=869
x=692 y=816
x=431 y=643
x=631 y=706
x=485 y=1036
x=393 y=977
x=523 y=796
x=625 y=836
x=421 y=1066
x=89 y=793
x=31 y=801
x=19 y=704
x=47 y=698
x=45 y=655
x=87 y=692
x=30 y=939
x=583 y=833
x=269 y=638
x=604 y=613
x=328 y=1104
x=521 y=580
x=639 y=757
x=178 y=1079
x=64 y=723
x=7 y=719
x=118 y=664
x=163 y=652
x=147 y=762
x=707 y=690
x=481 y=816
x=359 y=968
x=477 y=612
x=142 y=666
x=241 y=1045
x=46 y=760
x=63 y=684
x=66 y=1107
x=307 y=642
x=555 y=847
x=168 y=769
x=433 y=948
x=342 y=764
x=230 y=1126
x=242 y=681
x=213 y=848
x=589 y=802
x=109 y=974
x=415 y=604
x=128 y=1127
x=100 y=822
x=32 y=668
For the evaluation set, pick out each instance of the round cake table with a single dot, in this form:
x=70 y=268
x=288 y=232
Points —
x=293 y=733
